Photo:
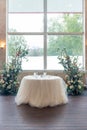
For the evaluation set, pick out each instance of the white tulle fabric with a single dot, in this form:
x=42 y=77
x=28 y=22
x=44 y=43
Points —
x=42 y=91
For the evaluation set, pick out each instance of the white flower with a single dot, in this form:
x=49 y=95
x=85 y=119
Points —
x=71 y=87
x=11 y=81
x=8 y=75
x=79 y=87
x=2 y=81
x=6 y=82
x=79 y=81
x=71 y=81
x=75 y=76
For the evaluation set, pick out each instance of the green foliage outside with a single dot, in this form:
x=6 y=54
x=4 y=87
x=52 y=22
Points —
x=73 y=43
x=17 y=44
x=73 y=75
x=36 y=52
x=71 y=23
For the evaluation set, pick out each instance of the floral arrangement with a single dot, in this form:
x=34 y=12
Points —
x=73 y=76
x=9 y=75
x=8 y=79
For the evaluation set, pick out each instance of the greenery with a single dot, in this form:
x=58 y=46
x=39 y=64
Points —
x=9 y=76
x=73 y=75
x=72 y=23
x=65 y=23
x=15 y=41
x=17 y=44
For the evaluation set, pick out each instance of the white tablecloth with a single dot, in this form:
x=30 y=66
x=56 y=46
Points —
x=42 y=91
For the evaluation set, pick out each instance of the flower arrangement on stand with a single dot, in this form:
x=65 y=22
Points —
x=8 y=79
x=9 y=75
x=73 y=76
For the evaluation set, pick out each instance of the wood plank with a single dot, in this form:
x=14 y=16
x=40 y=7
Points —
x=72 y=116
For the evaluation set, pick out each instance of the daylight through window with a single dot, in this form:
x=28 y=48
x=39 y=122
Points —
x=44 y=26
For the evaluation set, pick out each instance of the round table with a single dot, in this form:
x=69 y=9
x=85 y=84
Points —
x=42 y=91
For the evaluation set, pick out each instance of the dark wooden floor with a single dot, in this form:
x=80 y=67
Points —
x=72 y=116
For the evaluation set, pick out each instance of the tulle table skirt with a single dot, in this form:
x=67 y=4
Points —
x=42 y=91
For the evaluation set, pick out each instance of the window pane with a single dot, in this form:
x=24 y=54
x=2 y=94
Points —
x=35 y=44
x=73 y=45
x=63 y=17
x=64 y=5
x=64 y=22
x=25 y=5
x=25 y=22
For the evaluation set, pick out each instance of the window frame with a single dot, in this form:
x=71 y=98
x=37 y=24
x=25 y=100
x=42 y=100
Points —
x=45 y=33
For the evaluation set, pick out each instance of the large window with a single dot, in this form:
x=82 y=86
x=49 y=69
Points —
x=45 y=26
